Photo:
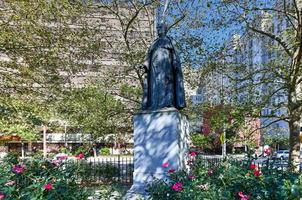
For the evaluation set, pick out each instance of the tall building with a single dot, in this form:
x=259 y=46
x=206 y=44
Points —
x=256 y=52
x=120 y=32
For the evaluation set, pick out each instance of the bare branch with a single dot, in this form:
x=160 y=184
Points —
x=274 y=37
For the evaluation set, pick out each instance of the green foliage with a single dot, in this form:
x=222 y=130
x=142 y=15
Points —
x=273 y=141
x=37 y=45
x=105 y=151
x=64 y=150
x=226 y=181
x=200 y=140
x=92 y=110
x=85 y=149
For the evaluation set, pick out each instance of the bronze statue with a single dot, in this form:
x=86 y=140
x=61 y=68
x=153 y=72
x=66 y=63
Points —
x=163 y=86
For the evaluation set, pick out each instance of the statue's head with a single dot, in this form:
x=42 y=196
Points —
x=162 y=29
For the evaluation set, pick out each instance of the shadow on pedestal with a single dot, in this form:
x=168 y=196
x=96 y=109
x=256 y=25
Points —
x=159 y=136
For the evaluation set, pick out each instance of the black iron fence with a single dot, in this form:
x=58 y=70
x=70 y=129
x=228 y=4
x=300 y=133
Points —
x=119 y=169
x=262 y=162
x=103 y=169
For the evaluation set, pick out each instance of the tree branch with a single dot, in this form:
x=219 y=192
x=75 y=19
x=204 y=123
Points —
x=274 y=37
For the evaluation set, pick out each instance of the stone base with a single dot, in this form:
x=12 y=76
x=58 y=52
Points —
x=159 y=136
x=136 y=193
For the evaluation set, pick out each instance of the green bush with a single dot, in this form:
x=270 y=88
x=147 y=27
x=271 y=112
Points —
x=64 y=150
x=229 y=180
x=12 y=157
x=82 y=149
x=105 y=151
x=199 y=140
x=39 y=179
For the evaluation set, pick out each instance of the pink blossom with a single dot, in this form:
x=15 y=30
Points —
x=80 y=156
x=171 y=170
x=18 y=169
x=48 y=186
x=193 y=153
x=10 y=183
x=56 y=162
x=191 y=177
x=267 y=151
x=165 y=165
x=177 y=186
x=62 y=157
x=210 y=172
x=243 y=196
x=2 y=195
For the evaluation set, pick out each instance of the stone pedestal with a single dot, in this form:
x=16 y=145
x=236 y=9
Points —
x=159 y=136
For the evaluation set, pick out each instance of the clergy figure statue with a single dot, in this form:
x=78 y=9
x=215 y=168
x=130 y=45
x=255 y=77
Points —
x=163 y=86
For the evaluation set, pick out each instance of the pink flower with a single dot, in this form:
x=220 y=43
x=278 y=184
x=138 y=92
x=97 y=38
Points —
x=56 y=162
x=80 y=156
x=177 y=186
x=10 y=183
x=193 y=153
x=257 y=173
x=165 y=165
x=210 y=172
x=267 y=151
x=243 y=196
x=191 y=177
x=62 y=157
x=48 y=186
x=18 y=169
x=253 y=166
x=171 y=170
x=2 y=195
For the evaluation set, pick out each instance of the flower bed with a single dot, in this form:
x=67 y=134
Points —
x=229 y=180
x=38 y=179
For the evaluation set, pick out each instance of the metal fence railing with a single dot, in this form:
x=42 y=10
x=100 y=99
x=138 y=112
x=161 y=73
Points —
x=104 y=169
x=119 y=169
x=261 y=162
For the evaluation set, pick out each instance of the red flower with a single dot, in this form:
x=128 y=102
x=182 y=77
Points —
x=18 y=169
x=80 y=156
x=243 y=196
x=2 y=195
x=210 y=172
x=177 y=186
x=253 y=166
x=165 y=165
x=171 y=170
x=257 y=173
x=193 y=153
x=48 y=186
x=191 y=177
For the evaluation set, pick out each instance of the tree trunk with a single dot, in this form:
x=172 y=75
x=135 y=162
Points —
x=294 y=143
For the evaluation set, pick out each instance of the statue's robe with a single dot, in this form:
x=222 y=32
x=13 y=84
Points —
x=164 y=85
